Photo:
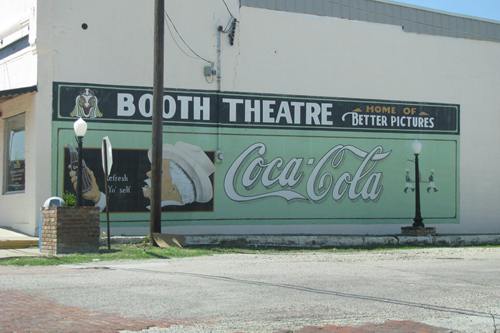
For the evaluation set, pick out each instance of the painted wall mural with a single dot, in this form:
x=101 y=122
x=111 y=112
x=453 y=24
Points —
x=186 y=180
x=264 y=158
x=362 y=182
x=244 y=110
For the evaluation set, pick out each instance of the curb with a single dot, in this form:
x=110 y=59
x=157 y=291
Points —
x=319 y=241
x=18 y=243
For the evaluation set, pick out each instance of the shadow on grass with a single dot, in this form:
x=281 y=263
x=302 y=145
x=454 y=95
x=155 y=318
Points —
x=106 y=251
x=156 y=255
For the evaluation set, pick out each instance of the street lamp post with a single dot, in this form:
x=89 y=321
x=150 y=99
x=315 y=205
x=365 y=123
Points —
x=418 y=220
x=80 y=127
x=418 y=228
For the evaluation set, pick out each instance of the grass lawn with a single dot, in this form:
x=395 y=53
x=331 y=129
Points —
x=131 y=252
x=117 y=252
x=145 y=251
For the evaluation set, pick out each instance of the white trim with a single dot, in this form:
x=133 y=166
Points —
x=19 y=54
x=14 y=32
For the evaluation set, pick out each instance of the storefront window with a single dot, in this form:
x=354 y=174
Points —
x=14 y=147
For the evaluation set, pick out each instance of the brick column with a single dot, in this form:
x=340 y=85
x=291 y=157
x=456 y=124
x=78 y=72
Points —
x=70 y=230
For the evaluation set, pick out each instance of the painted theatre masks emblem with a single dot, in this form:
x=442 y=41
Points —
x=86 y=105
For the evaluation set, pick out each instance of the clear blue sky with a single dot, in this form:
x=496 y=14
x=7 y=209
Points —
x=489 y=9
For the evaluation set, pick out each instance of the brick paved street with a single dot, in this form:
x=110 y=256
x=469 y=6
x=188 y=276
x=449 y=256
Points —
x=389 y=326
x=23 y=312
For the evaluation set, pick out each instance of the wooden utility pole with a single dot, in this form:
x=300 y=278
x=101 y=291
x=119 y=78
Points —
x=157 y=137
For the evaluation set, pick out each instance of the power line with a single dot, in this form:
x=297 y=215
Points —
x=228 y=10
x=226 y=29
x=176 y=42
x=184 y=41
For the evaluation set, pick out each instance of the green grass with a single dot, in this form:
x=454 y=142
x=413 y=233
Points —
x=136 y=252
x=118 y=252
x=144 y=252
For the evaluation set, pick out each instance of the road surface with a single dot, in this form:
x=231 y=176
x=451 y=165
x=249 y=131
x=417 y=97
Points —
x=420 y=290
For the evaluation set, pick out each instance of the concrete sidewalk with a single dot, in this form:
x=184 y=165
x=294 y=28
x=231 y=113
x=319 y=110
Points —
x=15 y=253
x=14 y=240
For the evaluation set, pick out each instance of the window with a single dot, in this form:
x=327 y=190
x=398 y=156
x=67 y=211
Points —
x=14 y=167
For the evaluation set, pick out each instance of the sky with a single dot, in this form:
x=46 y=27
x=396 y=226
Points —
x=489 y=9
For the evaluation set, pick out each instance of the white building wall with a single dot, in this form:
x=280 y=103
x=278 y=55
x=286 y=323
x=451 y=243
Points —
x=18 y=18
x=278 y=52
x=117 y=47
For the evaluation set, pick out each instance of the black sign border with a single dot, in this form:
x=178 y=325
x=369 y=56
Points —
x=57 y=117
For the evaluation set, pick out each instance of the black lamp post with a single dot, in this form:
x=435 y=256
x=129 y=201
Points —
x=417 y=228
x=80 y=127
x=418 y=220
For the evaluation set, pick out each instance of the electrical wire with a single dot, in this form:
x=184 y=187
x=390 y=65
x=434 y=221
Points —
x=228 y=10
x=176 y=42
x=226 y=29
x=184 y=41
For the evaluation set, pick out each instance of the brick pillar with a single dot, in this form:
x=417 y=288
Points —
x=70 y=230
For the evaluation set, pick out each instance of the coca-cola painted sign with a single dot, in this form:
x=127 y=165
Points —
x=322 y=181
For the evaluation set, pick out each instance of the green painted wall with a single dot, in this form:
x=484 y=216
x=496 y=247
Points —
x=392 y=205
x=277 y=159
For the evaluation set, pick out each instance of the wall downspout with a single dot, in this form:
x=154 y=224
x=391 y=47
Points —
x=220 y=30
